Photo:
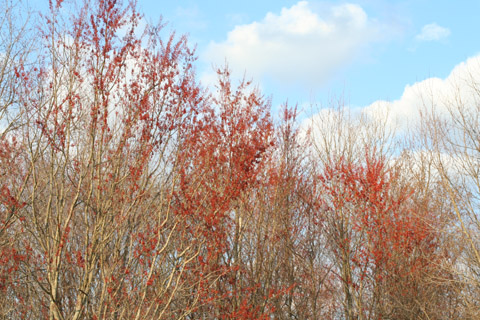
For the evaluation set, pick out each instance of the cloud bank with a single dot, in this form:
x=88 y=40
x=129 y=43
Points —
x=460 y=89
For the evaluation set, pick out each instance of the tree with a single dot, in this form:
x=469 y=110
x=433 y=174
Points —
x=130 y=175
x=226 y=162
x=377 y=241
x=277 y=252
x=450 y=141
x=16 y=44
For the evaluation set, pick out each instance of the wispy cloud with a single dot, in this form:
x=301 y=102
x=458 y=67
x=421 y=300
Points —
x=191 y=16
x=433 y=32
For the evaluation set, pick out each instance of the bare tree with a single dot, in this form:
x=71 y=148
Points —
x=16 y=43
x=450 y=137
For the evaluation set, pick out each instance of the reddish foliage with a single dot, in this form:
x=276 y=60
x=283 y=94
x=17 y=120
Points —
x=132 y=193
x=376 y=231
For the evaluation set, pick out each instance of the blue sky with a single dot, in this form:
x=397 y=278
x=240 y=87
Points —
x=310 y=51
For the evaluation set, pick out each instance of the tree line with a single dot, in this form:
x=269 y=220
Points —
x=130 y=191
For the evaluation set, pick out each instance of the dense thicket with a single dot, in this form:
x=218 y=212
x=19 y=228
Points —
x=128 y=191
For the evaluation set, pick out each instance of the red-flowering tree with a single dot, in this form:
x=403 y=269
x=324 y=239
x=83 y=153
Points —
x=103 y=117
x=131 y=175
x=375 y=236
x=237 y=144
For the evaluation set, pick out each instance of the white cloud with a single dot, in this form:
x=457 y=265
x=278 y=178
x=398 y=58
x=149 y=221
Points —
x=346 y=130
x=433 y=32
x=460 y=89
x=298 y=45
